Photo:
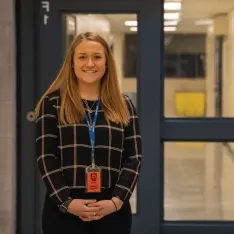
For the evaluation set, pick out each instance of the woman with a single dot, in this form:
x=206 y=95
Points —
x=88 y=144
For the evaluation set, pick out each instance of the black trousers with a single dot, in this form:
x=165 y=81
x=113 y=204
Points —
x=56 y=222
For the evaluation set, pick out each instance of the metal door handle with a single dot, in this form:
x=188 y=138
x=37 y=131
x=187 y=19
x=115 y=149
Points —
x=31 y=116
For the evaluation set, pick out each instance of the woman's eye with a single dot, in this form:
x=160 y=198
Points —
x=82 y=57
x=97 y=57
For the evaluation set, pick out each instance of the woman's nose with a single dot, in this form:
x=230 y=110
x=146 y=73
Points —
x=90 y=62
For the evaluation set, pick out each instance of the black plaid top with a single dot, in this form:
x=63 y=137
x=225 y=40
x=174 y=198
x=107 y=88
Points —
x=64 y=151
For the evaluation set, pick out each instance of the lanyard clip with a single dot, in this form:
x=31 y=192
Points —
x=92 y=160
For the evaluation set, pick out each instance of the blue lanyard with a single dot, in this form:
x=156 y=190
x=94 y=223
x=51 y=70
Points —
x=92 y=131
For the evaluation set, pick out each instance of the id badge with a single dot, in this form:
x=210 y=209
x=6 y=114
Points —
x=93 y=179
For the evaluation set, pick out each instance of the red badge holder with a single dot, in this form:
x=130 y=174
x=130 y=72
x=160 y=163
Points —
x=93 y=179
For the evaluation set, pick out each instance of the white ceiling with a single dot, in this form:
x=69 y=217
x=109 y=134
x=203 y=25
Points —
x=191 y=11
x=117 y=21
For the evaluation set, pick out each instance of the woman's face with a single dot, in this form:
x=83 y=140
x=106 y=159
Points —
x=89 y=62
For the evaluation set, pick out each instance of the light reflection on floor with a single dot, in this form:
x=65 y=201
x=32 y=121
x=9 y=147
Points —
x=199 y=182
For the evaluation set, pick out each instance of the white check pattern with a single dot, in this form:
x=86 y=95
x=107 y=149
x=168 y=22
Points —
x=64 y=151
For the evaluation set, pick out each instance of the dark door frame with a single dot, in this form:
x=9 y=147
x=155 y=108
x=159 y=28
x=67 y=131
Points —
x=25 y=21
x=155 y=129
x=35 y=41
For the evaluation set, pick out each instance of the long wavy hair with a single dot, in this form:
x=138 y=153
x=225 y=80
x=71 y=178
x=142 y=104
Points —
x=71 y=106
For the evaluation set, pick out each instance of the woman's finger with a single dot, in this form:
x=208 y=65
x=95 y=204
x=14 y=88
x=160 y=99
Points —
x=91 y=218
x=97 y=217
x=92 y=209
x=84 y=219
x=86 y=202
x=88 y=214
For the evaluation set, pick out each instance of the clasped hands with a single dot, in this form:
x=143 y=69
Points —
x=89 y=210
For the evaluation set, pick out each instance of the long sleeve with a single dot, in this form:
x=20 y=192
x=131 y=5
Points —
x=131 y=159
x=47 y=140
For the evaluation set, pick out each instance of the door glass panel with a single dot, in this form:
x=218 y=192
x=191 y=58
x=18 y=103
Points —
x=120 y=31
x=197 y=72
x=198 y=181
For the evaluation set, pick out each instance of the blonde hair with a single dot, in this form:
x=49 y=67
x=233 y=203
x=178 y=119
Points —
x=71 y=107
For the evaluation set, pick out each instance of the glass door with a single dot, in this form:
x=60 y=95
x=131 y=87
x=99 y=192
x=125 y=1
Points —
x=137 y=51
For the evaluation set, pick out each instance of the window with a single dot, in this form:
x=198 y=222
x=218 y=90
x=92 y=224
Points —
x=184 y=56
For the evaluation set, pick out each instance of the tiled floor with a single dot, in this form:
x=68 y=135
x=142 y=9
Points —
x=198 y=182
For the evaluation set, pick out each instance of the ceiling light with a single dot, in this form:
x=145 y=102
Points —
x=172 y=6
x=130 y=23
x=171 y=23
x=169 y=29
x=171 y=16
x=203 y=22
x=133 y=29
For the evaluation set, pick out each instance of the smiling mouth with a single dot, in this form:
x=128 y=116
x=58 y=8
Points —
x=90 y=71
